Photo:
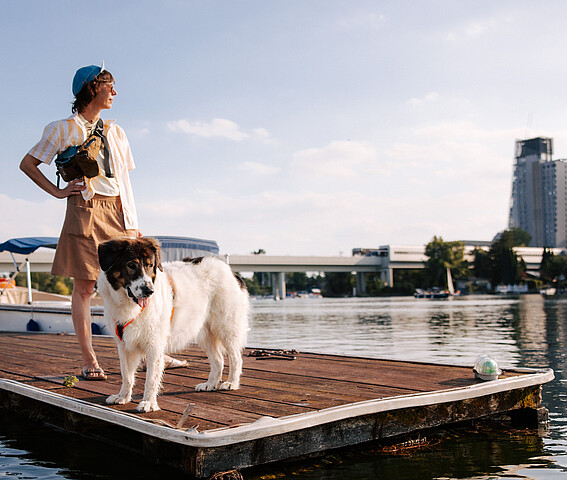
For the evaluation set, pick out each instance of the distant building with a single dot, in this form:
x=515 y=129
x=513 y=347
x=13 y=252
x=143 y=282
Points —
x=539 y=194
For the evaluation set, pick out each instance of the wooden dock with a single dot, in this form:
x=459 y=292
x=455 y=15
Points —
x=286 y=408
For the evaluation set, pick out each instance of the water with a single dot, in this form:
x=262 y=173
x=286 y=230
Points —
x=528 y=331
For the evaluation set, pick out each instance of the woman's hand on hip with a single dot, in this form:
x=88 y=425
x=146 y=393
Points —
x=74 y=187
x=30 y=166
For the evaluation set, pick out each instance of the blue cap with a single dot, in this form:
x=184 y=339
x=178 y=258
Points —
x=85 y=75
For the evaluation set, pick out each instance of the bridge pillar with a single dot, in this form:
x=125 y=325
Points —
x=360 y=283
x=387 y=276
x=278 y=285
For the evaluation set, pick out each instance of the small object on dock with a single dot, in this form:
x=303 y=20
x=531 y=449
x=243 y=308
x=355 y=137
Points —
x=486 y=368
x=185 y=415
x=70 y=381
x=266 y=354
x=230 y=475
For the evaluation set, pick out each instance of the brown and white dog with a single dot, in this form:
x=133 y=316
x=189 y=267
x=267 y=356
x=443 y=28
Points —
x=154 y=309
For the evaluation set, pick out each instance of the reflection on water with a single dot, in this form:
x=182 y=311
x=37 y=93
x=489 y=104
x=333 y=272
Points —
x=526 y=331
x=439 y=331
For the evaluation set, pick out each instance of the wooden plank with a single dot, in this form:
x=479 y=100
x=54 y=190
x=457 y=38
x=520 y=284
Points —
x=297 y=389
x=210 y=414
x=390 y=374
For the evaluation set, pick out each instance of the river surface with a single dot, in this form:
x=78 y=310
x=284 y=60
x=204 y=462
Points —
x=526 y=331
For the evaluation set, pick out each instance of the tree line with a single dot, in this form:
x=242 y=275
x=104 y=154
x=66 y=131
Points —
x=498 y=264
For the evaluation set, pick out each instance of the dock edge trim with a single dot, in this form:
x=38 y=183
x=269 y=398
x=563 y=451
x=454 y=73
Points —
x=269 y=426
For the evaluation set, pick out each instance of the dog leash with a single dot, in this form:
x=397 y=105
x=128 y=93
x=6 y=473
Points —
x=119 y=329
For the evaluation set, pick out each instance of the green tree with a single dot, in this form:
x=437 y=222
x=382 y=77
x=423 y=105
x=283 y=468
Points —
x=510 y=272
x=482 y=266
x=297 y=281
x=501 y=264
x=514 y=237
x=254 y=287
x=506 y=267
x=442 y=255
x=45 y=282
x=546 y=267
x=374 y=284
x=557 y=270
x=406 y=281
x=338 y=284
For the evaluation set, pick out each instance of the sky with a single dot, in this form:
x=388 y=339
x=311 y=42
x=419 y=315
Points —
x=300 y=127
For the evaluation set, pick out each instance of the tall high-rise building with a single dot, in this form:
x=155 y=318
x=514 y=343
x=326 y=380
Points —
x=539 y=194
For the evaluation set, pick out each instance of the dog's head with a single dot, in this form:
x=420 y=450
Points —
x=131 y=263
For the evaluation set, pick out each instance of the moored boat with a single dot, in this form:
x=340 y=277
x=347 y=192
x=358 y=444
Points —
x=435 y=293
x=25 y=309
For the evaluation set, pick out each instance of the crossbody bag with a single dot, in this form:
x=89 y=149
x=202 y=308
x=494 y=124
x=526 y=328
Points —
x=80 y=160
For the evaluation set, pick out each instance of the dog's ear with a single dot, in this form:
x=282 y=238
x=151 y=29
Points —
x=158 y=260
x=156 y=250
x=109 y=252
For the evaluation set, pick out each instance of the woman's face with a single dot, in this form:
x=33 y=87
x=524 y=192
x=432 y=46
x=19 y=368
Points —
x=105 y=95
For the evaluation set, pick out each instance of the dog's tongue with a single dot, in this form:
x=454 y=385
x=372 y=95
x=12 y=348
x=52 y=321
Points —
x=143 y=302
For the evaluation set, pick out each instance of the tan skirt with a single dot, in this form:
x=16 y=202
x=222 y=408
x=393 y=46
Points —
x=87 y=224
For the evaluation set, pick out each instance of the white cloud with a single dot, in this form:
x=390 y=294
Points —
x=138 y=132
x=460 y=147
x=429 y=98
x=477 y=28
x=464 y=131
x=324 y=223
x=23 y=218
x=450 y=166
x=259 y=169
x=337 y=159
x=361 y=20
x=263 y=136
x=218 y=127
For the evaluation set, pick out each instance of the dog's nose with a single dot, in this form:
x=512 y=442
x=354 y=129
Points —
x=147 y=290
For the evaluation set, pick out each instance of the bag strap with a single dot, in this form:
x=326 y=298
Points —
x=99 y=132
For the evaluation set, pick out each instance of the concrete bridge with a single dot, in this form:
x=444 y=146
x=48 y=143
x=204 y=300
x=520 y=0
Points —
x=383 y=261
x=278 y=266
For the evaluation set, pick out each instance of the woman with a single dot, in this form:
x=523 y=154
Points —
x=98 y=208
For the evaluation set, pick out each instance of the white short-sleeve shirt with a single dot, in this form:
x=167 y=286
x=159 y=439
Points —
x=62 y=134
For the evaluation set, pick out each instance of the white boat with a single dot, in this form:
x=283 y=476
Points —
x=26 y=309
x=436 y=292
x=450 y=287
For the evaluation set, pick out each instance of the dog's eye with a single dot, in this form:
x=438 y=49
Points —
x=132 y=265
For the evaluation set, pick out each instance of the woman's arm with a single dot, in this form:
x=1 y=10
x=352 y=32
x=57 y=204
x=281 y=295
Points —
x=30 y=166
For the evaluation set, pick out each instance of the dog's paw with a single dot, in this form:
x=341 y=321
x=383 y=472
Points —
x=148 y=406
x=229 y=386
x=206 y=387
x=118 y=399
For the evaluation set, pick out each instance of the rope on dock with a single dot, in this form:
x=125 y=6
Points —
x=230 y=475
x=266 y=354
